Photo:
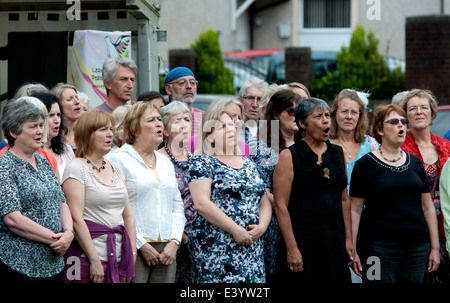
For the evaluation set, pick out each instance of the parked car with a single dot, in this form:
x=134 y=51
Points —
x=442 y=122
x=241 y=70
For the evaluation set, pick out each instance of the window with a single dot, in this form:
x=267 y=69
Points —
x=327 y=13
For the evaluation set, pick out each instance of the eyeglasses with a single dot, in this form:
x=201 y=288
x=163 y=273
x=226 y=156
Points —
x=395 y=121
x=252 y=98
x=182 y=83
x=291 y=111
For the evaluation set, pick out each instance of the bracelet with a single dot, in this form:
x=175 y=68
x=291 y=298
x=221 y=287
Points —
x=134 y=253
x=69 y=229
x=175 y=241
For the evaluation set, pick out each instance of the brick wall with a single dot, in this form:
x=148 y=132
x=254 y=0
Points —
x=428 y=55
x=182 y=57
x=299 y=66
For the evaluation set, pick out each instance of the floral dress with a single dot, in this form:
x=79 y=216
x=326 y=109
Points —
x=265 y=159
x=215 y=255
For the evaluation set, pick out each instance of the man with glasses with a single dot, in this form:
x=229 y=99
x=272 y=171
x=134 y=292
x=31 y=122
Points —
x=250 y=96
x=181 y=85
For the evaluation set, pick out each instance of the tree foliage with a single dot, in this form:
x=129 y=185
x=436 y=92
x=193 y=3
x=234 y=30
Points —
x=361 y=67
x=213 y=76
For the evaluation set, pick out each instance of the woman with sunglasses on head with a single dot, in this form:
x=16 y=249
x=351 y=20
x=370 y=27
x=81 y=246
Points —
x=279 y=135
x=398 y=225
x=421 y=109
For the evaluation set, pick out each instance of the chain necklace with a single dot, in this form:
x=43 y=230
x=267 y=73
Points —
x=395 y=160
x=348 y=153
x=175 y=161
x=99 y=169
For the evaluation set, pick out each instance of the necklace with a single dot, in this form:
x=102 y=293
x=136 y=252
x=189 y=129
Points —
x=345 y=148
x=149 y=164
x=175 y=161
x=395 y=160
x=95 y=167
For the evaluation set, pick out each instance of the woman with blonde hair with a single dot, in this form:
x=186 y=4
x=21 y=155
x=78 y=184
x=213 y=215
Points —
x=233 y=213
x=119 y=133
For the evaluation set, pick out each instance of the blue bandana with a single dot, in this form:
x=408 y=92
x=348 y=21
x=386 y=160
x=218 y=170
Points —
x=177 y=73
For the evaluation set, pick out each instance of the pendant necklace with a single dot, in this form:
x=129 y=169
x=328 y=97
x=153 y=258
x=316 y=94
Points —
x=99 y=169
x=348 y=153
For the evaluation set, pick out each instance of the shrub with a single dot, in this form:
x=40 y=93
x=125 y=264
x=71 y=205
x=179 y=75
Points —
x=362 y=67
x=213 y=76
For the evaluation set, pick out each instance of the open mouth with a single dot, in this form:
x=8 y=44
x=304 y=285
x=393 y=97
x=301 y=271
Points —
x=401 y=132
x=326 y=131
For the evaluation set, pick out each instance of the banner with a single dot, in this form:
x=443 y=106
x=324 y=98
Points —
x=90 y=50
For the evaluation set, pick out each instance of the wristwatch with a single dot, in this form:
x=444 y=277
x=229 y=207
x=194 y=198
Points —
x=175 y=241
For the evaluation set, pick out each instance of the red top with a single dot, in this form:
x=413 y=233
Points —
x=442 y=146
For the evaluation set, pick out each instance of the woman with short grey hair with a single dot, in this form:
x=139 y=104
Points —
x=176 y=119
x=41 y=106
x=36 y=226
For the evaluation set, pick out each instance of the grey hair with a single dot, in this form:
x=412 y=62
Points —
x=269 y=92
x=41 y=106
x=306 y=107
x=111 y=66
x=29 y=89
x=363 y=96
x=399 y=97
x=173 y=108
x=252 y=82
x=16 y=113
x=85 y=98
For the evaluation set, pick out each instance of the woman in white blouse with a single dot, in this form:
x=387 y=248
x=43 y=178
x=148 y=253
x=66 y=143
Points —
x=153 y=193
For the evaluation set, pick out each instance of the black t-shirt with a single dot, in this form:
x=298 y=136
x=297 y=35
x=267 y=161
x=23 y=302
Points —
x=393 y=199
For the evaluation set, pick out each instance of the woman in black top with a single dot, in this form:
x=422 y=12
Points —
x=398 y=223
x=311 y=202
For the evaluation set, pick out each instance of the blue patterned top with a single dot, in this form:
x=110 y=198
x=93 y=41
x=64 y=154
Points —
x=37 y=194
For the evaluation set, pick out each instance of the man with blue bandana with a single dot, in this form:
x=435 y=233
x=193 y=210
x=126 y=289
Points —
x=181 y=85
